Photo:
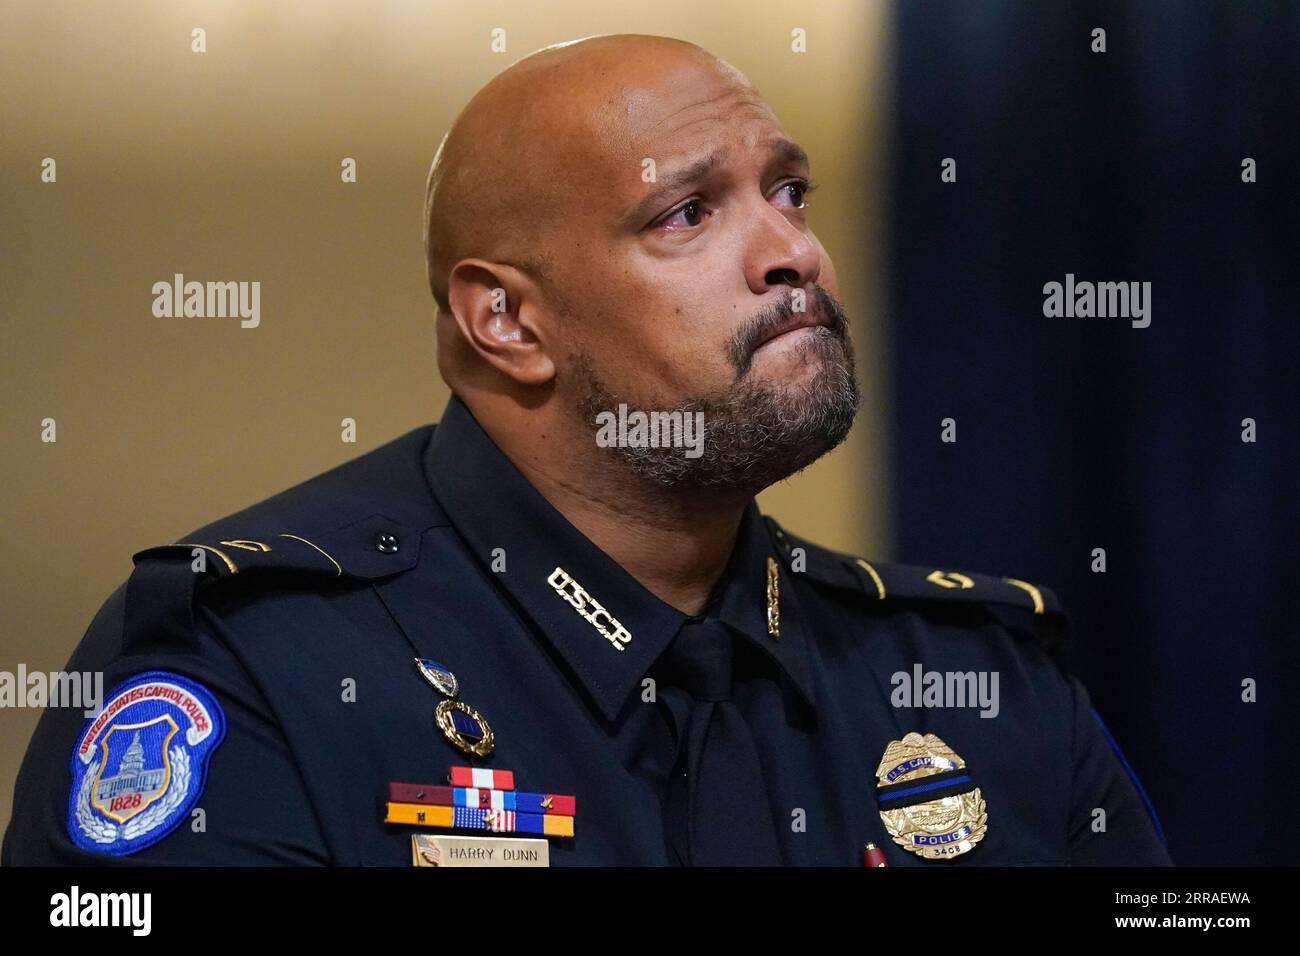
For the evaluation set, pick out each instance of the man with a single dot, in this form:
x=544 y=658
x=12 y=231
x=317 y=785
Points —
x=636 y=665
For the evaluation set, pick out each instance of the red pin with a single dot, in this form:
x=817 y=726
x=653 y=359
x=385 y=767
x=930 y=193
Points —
x=873 y=856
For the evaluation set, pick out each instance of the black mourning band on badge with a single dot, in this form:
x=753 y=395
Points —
x=950 y=783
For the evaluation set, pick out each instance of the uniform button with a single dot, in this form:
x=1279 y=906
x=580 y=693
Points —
x=387 y=543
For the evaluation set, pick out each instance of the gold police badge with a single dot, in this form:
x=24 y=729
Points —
x=928 y=802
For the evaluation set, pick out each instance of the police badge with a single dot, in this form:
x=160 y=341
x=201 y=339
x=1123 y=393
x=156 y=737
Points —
x=139 y=764
x=928 y=802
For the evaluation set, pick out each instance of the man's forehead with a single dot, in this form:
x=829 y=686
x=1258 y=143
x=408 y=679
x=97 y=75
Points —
x=564 y=135
x=688 y=118
x=654 y=116
x=679 y=95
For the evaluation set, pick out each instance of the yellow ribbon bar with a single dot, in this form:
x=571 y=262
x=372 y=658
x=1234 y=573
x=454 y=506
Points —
x=419 y=814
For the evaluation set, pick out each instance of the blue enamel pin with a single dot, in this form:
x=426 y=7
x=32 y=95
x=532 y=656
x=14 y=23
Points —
x=140 y=764
x=443 y=680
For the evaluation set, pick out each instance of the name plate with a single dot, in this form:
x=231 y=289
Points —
x=437 y=849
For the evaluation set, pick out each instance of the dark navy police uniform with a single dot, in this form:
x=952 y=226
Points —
x=278 y=680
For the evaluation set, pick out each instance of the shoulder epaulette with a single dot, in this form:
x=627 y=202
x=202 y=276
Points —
x=1017 y=604
x=161 y=591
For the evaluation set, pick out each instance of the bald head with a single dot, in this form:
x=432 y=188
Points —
x=621 y=221
x=524 y=147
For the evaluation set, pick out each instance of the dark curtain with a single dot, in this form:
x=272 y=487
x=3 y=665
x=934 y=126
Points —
x=1083 y=433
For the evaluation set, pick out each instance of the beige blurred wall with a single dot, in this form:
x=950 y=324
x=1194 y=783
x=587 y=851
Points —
x=225 y=166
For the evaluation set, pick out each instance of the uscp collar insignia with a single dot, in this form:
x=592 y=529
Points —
x=592 y=610
x=140 y=764
x=928 y=801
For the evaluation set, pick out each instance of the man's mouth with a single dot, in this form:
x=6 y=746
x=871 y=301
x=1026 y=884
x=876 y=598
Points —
x=822 y=313
x=796 y=323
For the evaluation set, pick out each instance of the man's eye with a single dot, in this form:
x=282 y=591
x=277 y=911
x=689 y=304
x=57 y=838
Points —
x=798 y=190
x=683 y=217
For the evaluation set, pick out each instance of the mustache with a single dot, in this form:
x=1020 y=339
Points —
x=746 y=340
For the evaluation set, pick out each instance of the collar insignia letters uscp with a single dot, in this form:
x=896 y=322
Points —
x=591 y=609
x=773 y=600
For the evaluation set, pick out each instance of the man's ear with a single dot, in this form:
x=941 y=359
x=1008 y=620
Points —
x=495 y=307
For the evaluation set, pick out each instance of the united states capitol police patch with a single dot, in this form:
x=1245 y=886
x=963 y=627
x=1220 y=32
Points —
x=139 y=766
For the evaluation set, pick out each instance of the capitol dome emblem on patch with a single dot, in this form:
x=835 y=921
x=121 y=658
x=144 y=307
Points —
x=139 y=766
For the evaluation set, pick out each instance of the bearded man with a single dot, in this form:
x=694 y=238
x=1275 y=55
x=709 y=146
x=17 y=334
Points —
x=502 y=638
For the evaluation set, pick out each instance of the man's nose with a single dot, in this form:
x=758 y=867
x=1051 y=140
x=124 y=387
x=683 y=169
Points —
x=781 y=254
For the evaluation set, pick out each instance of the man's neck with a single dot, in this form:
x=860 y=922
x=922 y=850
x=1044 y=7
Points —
x=675 y=545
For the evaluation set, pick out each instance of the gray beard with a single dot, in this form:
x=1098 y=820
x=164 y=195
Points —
x=755 y=434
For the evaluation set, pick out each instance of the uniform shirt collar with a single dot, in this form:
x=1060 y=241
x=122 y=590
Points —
x=525 y=544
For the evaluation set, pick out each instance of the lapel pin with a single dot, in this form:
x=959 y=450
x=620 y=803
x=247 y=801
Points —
x=442 y=680
x=465 y=727
x=461 y=724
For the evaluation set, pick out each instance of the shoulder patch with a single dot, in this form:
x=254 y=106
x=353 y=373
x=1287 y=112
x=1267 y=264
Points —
x=139 y=766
